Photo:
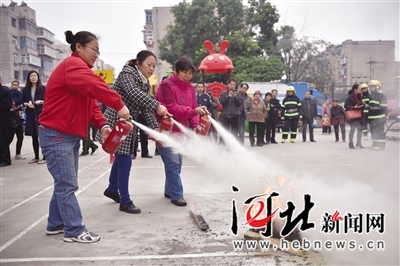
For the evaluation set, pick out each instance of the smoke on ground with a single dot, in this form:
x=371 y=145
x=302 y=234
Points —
x=253 y=173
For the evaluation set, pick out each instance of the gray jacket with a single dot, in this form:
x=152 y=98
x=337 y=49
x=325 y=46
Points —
x=230 y=105
x=308 y=108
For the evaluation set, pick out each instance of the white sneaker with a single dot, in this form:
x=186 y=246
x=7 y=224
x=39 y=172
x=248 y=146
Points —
x=85 y=237
x=55 y=232
x=42 y=162
x=19 y=157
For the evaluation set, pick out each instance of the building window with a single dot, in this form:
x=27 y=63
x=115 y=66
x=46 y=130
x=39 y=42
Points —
x=39 y=32
x=16 y=58
x=25 y=24
x=16 y=75
x=14 y=40
x=25 y=75
x=14 y=22
x=149 y=17
x=47 y=66
x=28 y=42
x=22 y=23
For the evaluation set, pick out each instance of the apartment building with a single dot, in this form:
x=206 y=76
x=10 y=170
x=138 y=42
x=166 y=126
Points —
x=361 y=61
x=18 y=49
x=157 y=20
x=26 y=46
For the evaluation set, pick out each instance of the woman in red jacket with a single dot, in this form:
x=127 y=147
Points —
x=178 y=95
x=70 y=104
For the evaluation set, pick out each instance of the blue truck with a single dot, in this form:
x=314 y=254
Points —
x=301 y=88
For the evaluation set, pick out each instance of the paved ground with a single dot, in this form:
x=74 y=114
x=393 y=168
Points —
x=164 y=234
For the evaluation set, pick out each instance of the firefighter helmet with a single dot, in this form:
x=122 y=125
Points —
x=374 y=83
x=363 y=86
x=290 y=88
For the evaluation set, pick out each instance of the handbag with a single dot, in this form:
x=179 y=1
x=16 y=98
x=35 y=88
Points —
x=353 y=114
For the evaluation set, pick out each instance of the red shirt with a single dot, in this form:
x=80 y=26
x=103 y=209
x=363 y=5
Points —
x=70 y=99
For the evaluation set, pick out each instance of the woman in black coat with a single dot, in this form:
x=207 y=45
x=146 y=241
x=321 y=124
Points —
x=33 y=94
x=354 y=102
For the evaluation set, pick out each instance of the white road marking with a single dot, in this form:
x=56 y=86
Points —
x=162 y=167
x=44 y=190
x=45 y=216
x=143 y=257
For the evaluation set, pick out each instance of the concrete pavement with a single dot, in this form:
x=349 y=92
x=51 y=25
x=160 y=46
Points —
x=165 y=234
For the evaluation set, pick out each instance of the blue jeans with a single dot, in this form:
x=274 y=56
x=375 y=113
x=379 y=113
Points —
x=242 y=120
x=119 y=177
x=62 y=153
x=173 y=166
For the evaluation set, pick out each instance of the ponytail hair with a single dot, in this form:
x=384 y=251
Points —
x=140 y=57
x=82 y=37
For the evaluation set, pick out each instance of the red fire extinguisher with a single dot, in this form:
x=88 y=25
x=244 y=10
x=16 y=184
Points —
x=166 y=126
x=117 y=136
x=204 y=125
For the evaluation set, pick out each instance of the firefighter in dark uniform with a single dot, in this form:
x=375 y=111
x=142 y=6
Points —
x=365 y=100
x=377 y=112
x=290 y=108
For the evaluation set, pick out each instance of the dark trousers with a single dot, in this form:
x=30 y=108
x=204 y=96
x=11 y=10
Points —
x=308 y=122
x=260 y=132
x=353 y=126
x=144 y=143
x=35 y=144
x=270 y=128
x=19 y=131
x=342 y=129
x=94 y=132
x=213 y=133
x=326 y=129
x=232 y=125
x=88 y=143
x=290 y=126
x=5 y=155
x=378 y=135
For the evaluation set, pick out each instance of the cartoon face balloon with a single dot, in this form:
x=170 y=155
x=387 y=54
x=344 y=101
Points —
x=216 y=63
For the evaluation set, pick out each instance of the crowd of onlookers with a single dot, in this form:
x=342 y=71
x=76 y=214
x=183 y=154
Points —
x=264 y=115
x=20 y=110
x=60 y=119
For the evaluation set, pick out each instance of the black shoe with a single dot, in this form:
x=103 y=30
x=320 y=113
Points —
x=129 y=208
x=304 y=140
x=84 y=153
x=94 y=149
x=112 y=195
x=360 y=146
x=312 y=141
x=252 y=145
x=167 y=196
x=351 y=145
x=147 y=156
x=274 y=142
x=4 y=164
x=133 y=157
x=260 y=145
x=179 y=202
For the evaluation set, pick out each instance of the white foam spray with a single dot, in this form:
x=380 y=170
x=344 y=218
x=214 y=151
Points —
x=252 y=173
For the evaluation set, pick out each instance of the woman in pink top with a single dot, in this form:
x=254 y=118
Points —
x=326 y=109
x=178 y=95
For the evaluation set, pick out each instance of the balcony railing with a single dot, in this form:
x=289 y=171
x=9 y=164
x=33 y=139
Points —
x=46 y=50
x=31 y=60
